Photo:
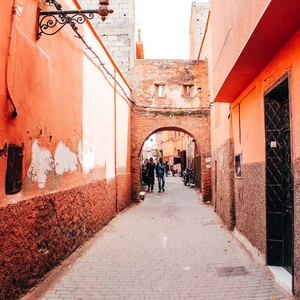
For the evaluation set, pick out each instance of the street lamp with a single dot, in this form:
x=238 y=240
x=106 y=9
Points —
x=50 y=22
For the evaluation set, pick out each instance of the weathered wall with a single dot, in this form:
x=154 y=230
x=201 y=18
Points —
x=244 y=122
x=222 y=144
x=40 y=232
x=172 y=111
x=143 y=125
x=250 y=203
x=223 y=199
x=75 y=139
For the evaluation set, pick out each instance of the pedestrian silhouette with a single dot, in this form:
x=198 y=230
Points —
x=160 y=174
x=150 y=174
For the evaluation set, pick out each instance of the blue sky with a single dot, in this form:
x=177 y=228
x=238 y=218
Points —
x=165 y=27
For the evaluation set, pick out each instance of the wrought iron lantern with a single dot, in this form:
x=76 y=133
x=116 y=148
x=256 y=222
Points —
x=50 y=22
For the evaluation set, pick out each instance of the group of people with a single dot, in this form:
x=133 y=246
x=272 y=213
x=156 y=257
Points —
x=159 y=169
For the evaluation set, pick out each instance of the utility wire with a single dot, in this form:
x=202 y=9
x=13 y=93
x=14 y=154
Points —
x=101 y=64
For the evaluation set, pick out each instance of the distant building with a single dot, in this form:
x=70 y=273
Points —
x=199 y=15
x=178 y=148
x=150 y=148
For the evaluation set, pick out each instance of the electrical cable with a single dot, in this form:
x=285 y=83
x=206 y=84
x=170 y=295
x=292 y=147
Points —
x=101 y=64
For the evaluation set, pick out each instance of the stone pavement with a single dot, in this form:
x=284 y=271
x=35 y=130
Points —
x=170 y=246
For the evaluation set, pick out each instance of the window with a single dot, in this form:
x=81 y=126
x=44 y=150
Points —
x=188 y=90
x=160 y=89
x=238 y=165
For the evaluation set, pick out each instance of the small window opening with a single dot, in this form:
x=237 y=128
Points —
x=160 y=90
x=238 y=165
x=188 y=90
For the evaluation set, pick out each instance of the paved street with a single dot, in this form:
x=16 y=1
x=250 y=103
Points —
x=170 y=246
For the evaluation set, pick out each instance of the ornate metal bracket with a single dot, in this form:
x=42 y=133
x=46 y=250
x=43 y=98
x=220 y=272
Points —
x=50 y=22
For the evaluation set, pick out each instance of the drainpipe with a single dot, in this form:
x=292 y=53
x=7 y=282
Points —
x=115 y=137
x=14 y=13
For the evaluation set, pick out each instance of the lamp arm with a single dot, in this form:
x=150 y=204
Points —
x=50 y=22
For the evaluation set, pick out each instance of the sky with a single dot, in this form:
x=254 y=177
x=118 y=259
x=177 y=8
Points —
x=164 y=27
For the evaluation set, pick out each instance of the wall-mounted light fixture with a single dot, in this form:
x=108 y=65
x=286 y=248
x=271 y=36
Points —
x=50 y=22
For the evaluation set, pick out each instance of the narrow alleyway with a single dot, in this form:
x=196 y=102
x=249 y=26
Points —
x=170 y=246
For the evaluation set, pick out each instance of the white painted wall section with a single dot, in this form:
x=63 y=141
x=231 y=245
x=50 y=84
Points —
x=41 y=163
x=86 y=157
x=65 y=159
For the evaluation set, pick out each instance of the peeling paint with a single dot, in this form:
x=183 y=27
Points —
x=87 y=159
x=65 y=159
x=42 y=163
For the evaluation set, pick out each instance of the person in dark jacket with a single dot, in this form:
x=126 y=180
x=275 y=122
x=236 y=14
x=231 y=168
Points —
x=150 y=172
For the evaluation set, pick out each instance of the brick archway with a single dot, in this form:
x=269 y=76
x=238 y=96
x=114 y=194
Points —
x=170 y=95
x=143 y=126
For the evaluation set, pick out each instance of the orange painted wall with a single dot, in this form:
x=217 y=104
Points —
x=74 y=125
x=178 y=143
x=166 y=144
x=227 y=42
x=171 y=141
x=220 y=124
x=5 y=15
x=63 y=98
x=229 y=36
x=240 y=128
x=252 y=104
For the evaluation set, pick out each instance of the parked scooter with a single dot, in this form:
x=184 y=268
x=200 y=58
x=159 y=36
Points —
x=188 y=176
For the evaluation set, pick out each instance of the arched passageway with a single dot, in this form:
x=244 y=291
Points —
x=171 y=95
x=145 y=126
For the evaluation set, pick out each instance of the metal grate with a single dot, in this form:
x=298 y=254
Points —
x=13 y=181
x=232 y=271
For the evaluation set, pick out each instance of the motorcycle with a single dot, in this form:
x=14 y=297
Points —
x=188 y=176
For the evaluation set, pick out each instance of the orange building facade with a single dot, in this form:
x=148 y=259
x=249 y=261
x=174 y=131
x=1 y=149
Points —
x=254 y=69
x=178 y=148
x=65 y=145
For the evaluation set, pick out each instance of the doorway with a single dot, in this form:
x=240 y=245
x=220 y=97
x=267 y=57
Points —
x=279 y=179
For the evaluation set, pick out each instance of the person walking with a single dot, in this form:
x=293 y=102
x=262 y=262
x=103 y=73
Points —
x=150 y=173
x=160 y=174
x=144 y=172
x=167 y=169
